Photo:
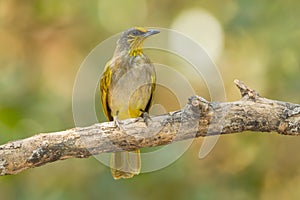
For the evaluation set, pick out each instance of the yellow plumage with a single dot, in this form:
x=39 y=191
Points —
x=127 y=85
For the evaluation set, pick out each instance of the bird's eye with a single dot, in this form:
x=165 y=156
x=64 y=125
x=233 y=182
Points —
x=135 y=32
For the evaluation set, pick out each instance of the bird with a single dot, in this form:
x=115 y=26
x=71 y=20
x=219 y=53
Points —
x=127 y=86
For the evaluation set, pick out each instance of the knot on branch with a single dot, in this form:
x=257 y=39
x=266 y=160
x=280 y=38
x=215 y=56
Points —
x=196 y=105
x=245 y=90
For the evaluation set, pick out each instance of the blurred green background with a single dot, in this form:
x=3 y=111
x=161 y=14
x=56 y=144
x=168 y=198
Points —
x=43 y=43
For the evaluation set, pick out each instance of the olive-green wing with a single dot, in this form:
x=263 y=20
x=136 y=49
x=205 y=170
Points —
x=153 y=85
x=104 y=85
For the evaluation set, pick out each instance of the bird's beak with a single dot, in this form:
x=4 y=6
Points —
x=151 y=32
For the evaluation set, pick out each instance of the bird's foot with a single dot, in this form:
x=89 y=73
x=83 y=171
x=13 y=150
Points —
x=118 y=123
x=146 y=118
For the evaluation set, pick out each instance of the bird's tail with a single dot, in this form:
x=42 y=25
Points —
x=125 y=164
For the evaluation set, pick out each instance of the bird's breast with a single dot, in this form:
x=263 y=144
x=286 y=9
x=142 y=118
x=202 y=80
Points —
x=131 y=88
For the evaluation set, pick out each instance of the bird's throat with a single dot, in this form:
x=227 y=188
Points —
x=136 y=47
x=136 y=52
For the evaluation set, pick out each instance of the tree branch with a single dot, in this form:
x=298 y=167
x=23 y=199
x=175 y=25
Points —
x=198 y=118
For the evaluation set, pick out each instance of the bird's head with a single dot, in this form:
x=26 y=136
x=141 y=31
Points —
x=132 y=40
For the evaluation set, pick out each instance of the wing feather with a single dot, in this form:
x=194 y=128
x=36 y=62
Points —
x=153 y=85
x=104 y=85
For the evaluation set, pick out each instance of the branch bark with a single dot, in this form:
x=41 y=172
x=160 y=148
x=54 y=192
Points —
x=199 y=118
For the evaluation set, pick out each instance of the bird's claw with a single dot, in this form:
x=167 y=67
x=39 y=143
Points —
x=118 y=123
x=146 y=118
